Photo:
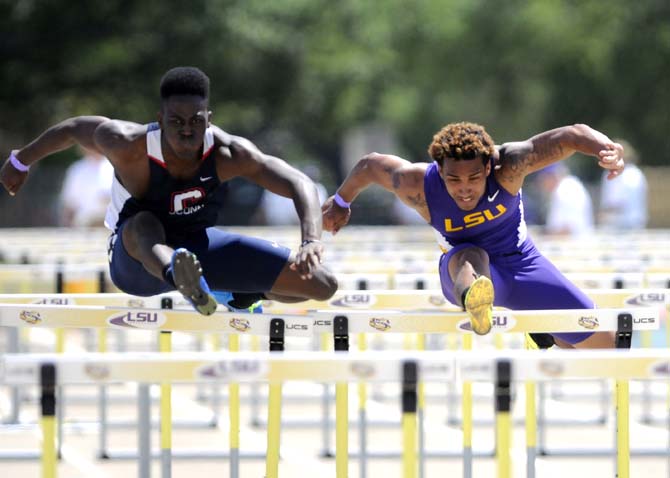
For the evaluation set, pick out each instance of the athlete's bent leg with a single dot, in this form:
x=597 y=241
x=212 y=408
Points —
x=471 y=275
x=144 y=239
x=290 y=287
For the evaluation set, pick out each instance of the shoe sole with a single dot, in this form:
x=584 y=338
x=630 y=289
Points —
x=479 y=305
x=187 y=271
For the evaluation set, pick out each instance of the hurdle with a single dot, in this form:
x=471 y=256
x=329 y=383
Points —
x=354 y=300
x=406 y=368
x=46 y=315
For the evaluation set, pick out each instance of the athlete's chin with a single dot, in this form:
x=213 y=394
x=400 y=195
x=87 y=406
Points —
x=466 y=205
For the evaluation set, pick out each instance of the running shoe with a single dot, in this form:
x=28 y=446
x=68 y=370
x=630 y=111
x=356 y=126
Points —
x=479 y=305
x=539 y=341
x=188 y=278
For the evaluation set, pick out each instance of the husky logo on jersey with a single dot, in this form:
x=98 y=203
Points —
x=475 y=218
x=187 y=202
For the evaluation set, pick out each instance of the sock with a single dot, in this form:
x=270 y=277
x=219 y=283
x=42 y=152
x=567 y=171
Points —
x=167 y=275
x=244 y=300
x=465 y=292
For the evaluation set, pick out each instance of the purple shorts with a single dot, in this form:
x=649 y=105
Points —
x=526 y=281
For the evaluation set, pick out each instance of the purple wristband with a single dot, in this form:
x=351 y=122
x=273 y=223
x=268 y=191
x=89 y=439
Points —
x=341 y=202
x=17 y=164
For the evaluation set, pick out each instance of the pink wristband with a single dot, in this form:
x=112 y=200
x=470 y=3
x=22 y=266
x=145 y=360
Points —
x=341 y=202
x=17 y=164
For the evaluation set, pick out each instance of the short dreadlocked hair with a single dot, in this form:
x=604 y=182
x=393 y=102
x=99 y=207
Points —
x=184 y=80
x=461 y=141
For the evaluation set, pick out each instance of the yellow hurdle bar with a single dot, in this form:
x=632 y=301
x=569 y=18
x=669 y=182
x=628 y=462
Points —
x=49 y=461
x=503 y=409
x=234 y=414
x=165 y=346
x=48 y=374
x=341 y=429
x=466 y=411
x=274 y=424
x=410 y=377
x=622 y=430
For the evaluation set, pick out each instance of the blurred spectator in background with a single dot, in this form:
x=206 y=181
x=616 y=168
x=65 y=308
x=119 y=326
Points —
x=570 y=210
x=623 y=201
x=276 y=210
x=86 y=190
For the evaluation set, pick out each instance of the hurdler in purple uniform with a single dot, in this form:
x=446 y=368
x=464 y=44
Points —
x=167 y=192
x=471 y=195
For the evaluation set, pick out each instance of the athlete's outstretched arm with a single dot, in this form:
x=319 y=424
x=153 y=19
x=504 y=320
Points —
x=242 y=158
x=519 y=159
x=61 y=136
x=393 y=173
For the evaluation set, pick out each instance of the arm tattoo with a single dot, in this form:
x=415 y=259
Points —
x=417 y=200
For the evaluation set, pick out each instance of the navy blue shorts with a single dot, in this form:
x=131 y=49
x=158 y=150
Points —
x=229 y=262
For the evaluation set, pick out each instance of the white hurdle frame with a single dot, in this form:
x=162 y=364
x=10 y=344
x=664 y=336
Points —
x=502 y=368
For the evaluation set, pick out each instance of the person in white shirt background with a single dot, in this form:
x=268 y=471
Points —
x=570 y=209
x=623 y=201
x=276 y=210
x=86 y=191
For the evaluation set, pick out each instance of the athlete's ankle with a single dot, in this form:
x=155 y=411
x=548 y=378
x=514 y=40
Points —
x=168 y=276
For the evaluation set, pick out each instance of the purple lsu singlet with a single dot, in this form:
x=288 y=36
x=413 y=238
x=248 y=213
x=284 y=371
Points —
x=523 y=278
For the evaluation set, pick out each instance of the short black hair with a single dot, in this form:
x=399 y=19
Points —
x=184 y=80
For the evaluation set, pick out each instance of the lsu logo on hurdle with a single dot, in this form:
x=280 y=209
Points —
x=354 y=301
x=241 y=325
x=140 y=319
x=500 y=321
x=589 y=322
x=649 y=298
x=30 y=317
x=380 y=324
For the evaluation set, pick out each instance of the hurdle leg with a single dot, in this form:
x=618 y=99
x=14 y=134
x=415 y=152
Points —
x=165 y=346
x=466 y=405
x=409 y=406
x=362 y=420
x=144 y=430
x=274 y=404
x=60 y=392
x=622 y=429
x=13 y=347
x=503 y=399
x=421 y=345
x=341 y=344
x=325 y=408
x=234 y=414
x=48 y=406
x=102 y=401
x=531 y=430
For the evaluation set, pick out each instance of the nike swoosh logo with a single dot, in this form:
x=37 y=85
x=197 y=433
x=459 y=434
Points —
x=491 y=198
x=206 y=178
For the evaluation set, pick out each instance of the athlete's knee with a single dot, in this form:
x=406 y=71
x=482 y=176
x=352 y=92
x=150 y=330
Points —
x=473 y=255
x=327 y=284
x=141 y=227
